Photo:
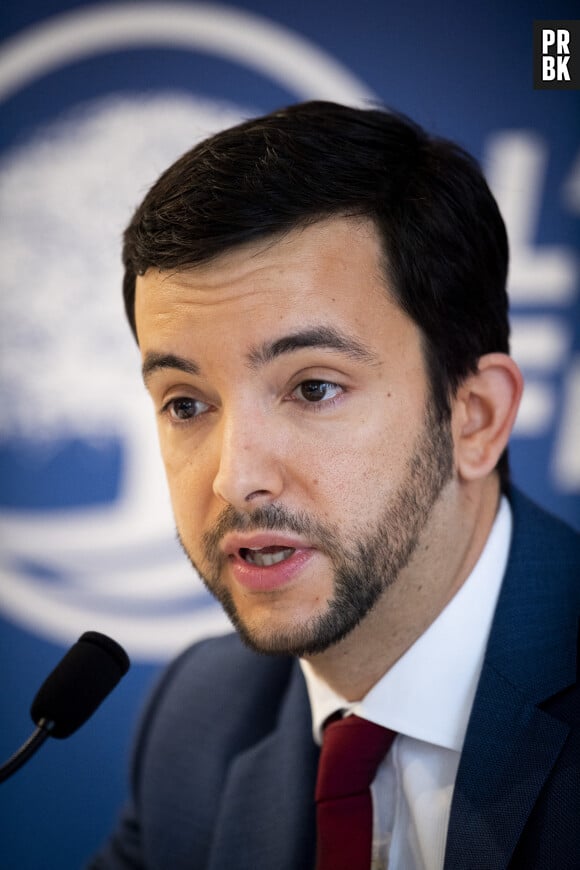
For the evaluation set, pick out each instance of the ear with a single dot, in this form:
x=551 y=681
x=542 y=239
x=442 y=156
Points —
x=484 y=412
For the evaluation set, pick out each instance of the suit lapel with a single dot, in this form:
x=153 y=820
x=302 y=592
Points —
x=509 y=753
x=267 y=816
x=512 y=743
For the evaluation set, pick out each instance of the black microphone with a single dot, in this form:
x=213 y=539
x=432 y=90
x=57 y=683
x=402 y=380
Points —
x=71 y=693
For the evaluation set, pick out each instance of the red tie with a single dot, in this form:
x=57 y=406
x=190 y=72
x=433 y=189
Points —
x=352 y=750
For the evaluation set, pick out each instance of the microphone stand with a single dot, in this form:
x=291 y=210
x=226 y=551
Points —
x=21 y=756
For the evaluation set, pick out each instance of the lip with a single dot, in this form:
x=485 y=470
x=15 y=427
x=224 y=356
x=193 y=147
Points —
x=232 y=544
x=266 y=579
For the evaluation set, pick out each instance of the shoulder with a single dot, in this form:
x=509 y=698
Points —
x=543 y=543
x=213 y=680
x=213 y=702
x=534 y=634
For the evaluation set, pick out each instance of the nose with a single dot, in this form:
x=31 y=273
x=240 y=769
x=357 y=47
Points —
x=250 y=468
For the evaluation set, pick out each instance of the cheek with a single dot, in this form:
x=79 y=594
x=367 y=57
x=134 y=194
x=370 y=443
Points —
x=190 y=487
x=337 y=479
x=361 y=470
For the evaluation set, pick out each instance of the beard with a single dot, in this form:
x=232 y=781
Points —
x=363 y=569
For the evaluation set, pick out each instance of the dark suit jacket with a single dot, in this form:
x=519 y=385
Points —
x=225 y=764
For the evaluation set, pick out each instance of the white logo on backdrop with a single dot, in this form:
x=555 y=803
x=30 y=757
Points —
x=69 y=368
x=540 y=276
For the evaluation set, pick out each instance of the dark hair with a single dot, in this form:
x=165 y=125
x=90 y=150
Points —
x=445 y=244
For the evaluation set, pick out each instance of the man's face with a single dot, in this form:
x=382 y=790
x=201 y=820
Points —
x=294 y=419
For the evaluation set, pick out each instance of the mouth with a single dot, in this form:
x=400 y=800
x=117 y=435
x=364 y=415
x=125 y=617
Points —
x=265 y=561
x=265 y=557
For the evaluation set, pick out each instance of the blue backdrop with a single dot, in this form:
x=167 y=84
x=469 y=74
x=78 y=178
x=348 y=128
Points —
x=95 y=100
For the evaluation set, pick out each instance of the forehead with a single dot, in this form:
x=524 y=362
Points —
x=332 y=272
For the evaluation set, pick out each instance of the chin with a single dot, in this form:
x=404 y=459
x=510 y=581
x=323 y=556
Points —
x=301 y=638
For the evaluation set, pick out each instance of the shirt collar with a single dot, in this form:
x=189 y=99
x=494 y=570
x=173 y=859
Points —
x=429 y=691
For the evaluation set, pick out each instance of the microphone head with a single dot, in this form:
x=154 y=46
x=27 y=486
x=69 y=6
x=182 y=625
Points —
x=79 y=683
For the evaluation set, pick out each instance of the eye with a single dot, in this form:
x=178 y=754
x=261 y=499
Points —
x=317 y=391
x=184 y=408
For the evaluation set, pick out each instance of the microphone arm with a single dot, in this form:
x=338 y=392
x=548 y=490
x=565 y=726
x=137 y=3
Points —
x=26 y=751
x=71 y=693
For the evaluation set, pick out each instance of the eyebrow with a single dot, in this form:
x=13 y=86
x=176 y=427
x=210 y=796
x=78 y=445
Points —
x=326 y=337
x=154 y=362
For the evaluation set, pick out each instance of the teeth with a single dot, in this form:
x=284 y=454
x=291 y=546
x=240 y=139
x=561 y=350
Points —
x=264 y=559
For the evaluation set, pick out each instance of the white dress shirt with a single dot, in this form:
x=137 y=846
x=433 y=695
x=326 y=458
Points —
x=426 y=697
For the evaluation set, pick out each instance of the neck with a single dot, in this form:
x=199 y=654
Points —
x=446 y=553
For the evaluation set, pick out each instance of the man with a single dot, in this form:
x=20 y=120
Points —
x=319 y=300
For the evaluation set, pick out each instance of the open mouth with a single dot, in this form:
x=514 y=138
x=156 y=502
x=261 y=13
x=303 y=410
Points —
x=265 y=557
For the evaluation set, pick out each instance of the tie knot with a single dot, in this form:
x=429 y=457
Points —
x=352 y=749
